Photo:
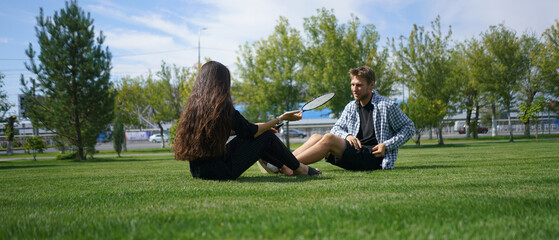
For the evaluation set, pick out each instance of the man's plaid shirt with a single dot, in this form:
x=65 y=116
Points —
x=392 y=126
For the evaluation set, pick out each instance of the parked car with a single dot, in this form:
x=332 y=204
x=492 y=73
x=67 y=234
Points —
x=480 y=129
x=296 y=133
x=157 y=138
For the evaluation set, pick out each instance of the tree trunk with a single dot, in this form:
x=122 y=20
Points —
x=511 y=139
x=537 y=129
x=417 y=138
x=469 y=106
x=468 y=121
x=10 y=148
x=493 y=119
x=162 y=134
x=430 y=132
x=527 y=129
x=476 y=120
x=440 y=133
x=79 y=141
x=124 y=147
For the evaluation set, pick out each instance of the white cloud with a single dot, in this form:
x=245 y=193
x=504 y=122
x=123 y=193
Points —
x=156 y=22
x=470 y=18
x=4 y=40
x=232 y=23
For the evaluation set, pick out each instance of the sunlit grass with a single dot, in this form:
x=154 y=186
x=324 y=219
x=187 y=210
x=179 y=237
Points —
x=475 y=190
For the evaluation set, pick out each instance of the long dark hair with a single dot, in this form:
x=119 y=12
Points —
x=205 y=123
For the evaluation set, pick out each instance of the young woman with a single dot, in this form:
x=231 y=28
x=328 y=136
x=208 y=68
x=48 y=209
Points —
x=208 y=120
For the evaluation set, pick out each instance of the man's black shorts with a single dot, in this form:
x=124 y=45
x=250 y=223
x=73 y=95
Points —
x=358 y=160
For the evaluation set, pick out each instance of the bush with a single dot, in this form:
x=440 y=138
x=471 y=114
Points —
x=67 y=156
x=34 y=145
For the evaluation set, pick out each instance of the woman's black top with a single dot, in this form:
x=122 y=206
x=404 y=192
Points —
x=242 y=128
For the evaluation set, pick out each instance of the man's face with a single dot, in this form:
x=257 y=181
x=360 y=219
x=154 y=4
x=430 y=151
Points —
x=359 y=87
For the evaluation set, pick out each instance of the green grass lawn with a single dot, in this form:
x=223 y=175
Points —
x=458 y=191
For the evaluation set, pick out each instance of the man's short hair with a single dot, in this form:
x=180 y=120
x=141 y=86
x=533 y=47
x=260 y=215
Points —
x=364 y=72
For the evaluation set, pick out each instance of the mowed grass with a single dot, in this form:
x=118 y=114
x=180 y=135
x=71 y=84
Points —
x=458 y=191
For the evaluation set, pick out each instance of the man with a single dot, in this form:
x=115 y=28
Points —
x=368 y=133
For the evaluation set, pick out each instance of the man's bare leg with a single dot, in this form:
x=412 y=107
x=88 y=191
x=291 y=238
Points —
x=309 y=143
x=328 y=144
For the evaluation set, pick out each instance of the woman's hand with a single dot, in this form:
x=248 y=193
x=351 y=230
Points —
x=291 y=116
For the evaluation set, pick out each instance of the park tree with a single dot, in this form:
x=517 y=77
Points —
x=70 y=94
x=142 y=100
x=507 y=67
x=428 y=64
x=471 y=70
x=270 y=70
x=5 y=104
x=533 y=81
x=549 y=60
x=528 y=112
x=332 y=49
x=419 y=110
x=34 y=145
x=130 y=104
x=163 y=96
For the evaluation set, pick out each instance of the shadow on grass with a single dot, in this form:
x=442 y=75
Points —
x=427 y=167
x=115 y=159
x=451 y=145
x=22 y=167
x=395 y=168
x=278 y=179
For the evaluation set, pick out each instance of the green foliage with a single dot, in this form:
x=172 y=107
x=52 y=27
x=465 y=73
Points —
x=173 y=131
x=67 y=156
x=507 y=65
x=280 y=72
x=427 y=65
x=270 y=70
x=550 y=59
x=422 y=112
x=271 y=73
x=131 y=102
x=60 y=144
x=531 y=111
x=154 y=100
x=332 y=49
x=463 y=191
x=70 y=94
x=164 y=103
x=34 y=145
x=118 y=135
x=5 y=105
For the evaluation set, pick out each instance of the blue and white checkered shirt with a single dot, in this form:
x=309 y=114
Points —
x=392 y=126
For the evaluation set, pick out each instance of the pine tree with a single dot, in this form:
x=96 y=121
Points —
x=70 y=94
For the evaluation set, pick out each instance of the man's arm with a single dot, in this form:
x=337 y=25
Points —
x=340 y=127
x=402 y=125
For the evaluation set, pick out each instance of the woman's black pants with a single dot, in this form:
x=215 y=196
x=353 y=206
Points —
x=241 y=155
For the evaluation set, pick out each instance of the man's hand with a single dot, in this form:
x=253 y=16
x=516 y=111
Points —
x=379 y=150
x=353 y=141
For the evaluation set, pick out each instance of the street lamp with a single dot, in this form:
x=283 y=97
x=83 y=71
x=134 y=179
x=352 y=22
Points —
x=200 y=30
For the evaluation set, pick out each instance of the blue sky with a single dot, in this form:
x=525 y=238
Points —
x=140 y=34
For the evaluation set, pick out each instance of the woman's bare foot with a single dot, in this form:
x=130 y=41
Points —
x=287 y=171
